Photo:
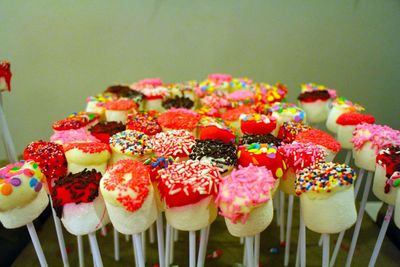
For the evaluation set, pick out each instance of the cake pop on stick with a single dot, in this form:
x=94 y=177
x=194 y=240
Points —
x=245 y=200
x=297 y=156
x=215 y=129
x=188 y=190
x=327 y=199
x=285 y=112
x=51 y=160
x=95 y=104
x=154 y=93
x=130 y=201
x=118 y=110
x=315 y=100
x=23 y=199
x=340 y=105
x=368 y=140
x=385 y=185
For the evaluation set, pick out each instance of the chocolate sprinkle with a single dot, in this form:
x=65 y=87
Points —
x=260 y=138
x=110 y=127
x=315 y=95
x=125 y=91
x=221 y=154
x=178 y=102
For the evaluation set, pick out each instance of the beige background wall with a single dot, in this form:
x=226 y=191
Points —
x=63 y=51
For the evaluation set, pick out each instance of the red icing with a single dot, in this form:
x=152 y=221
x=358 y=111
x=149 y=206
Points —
x=120 y=104
x=289 y=130
x=234 y=114
x=75 y=121
x=179 y=119
x=215 y=133
x=5 y=72
x=50 y=157
x=319 y=137
x=257 y=127
x=389 y=158
x=272 y=161
x=354 y=118
x=139 y=182
x=143 y=122
x=186 y=183
x=82 y=187
x=88 y=147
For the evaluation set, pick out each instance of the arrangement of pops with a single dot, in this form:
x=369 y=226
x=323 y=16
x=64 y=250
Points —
x=191 y=151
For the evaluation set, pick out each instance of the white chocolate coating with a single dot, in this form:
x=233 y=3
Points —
x=317 y=111
x=117 y=115
x=334 y=113
x=344 y=135
x=378 y=186
x=365 y=157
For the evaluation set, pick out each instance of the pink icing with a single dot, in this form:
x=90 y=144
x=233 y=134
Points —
x=240 y=95
x=381 y=136
x=150 y=82
x=219 y=77
x=215 y=101
x=73 y=136
x=253 y=184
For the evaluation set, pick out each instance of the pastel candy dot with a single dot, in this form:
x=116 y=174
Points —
x=15 y=181
x=35 y=165
x=33 y=182
x=6 y=189
x=279 y=172
x=38 y=187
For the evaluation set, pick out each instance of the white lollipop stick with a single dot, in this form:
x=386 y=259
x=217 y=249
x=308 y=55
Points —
x=8 y=142
x=325 y=250
x=298 y=251
x=168 y=244
x=144 y=245
x=192 y=249
x=341 y=234
x=36 y=244
x=276 y=205
x=134 y=252
x=60 y=236
x=80 y=251
x=176 y=235
x=151 y=234
x=244 y=256
x=137 y=243
x=127 y=238
x=160 y=240
x=249 y=250
x=302 y=233
x=257 y=248
x=116 y=245
x=288 y=229
x=359 y=220
x=95 y=250
x=203 y=246
x=381 y=236
x=282 y=216
x=171 y=256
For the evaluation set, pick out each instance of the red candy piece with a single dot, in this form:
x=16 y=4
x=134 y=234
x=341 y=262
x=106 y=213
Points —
x=234 y=114
x=50 y=157
x=5 y=72
x=354 y=118
x=257 y=124
x=262 y=155
x=143 y=122
x=319 y=137
x=215 y=133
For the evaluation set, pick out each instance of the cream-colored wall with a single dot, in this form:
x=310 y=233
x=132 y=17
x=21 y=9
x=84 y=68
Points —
x=63 y=51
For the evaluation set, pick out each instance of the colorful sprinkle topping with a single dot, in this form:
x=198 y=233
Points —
x=50 y=157
x=128 y=181
x=347 y=104
x=262 y=139
x=143 y=122
x=354 y=118
x=324 y=177
x=215 y=101
x=289 y=130
x=188 y=182
x=380 y=136
x=175 y=143
x=389 y=158
x=81 y=187
x=243 y=190
x=100 y=98
x=156 y=164
x=287 y=109
x=301 y=155
x=76 y=121
x=234 y=114
x=319 y=137
x=179 y=118
x=131 y=142
x=269 y=94
x=312 y=87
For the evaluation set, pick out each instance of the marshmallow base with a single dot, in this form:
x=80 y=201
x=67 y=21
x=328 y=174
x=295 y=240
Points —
x=117 y=115
x=365 y=157
x=130 y=223
x=18 y=217
x=333 y=115
x=154 y=104
x=259 y=219
x=379 y=184
x=192 y=217
x=286 y=183
x=344 y=135
x=316 y=111
x=329 y=214
x=85 y=218
x=115 y=156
